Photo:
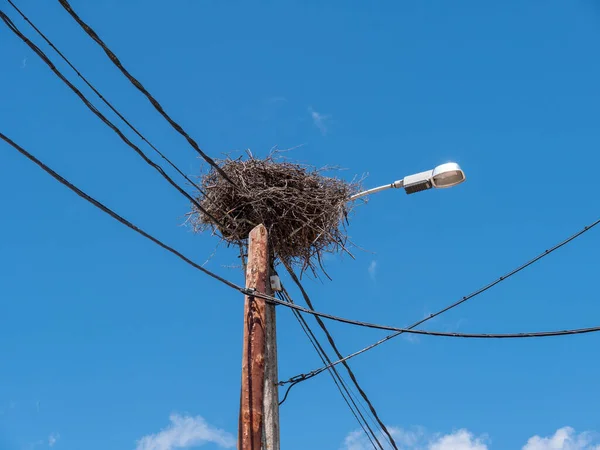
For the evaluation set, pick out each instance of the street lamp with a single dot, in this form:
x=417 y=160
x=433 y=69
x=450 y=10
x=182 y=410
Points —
x=443 y=176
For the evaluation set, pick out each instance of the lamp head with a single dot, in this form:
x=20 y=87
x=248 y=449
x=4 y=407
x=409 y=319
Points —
x=443 y=176
x=447 y=175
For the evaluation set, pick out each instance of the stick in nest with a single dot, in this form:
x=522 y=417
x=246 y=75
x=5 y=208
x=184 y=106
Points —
x=305 y=212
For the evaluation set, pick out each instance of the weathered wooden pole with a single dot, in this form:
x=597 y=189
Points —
x=257 y=330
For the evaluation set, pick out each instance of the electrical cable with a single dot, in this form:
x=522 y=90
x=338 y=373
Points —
x=339 y=355
x=274 y=300
x=141 y=88
x=101 y=116
x=337 y=379
x=522 y=335
x=457 y=303
x=113 y=214
x=284 y=295
x=287 y=392
x=353 y=399
x=101 y=97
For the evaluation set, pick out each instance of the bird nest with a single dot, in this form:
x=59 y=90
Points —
x=304 y=211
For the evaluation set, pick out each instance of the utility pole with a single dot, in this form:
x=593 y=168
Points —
x=259 y=404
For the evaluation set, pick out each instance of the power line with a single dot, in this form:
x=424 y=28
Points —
x=101 y=97
x=339 y=355
x=113 y=214
x=101 y=116
x=319 y=348
x=271 y=299
x=337 y=379
x=473 y=294
x=141 y=88
x=523 y=335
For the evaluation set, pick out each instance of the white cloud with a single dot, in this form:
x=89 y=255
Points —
x=53 y=439
x=186 y=432
x=564 y=439
x=373 y=270
x=319 y=120
x=459 y=440
x=407 y=438
x=356 y=440
x=418 y=439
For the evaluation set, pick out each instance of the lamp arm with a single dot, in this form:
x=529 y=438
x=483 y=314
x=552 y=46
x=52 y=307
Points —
x=397 y=184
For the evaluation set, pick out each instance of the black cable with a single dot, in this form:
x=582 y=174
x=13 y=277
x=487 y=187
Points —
x=539 y=334
x=141 y=88
x=337 y=379
x=342 y=386
x=101 y=97
x=274 y=300
x=459 y=302
x=113 y=214
x=334 y=373
x=101 y=116
x=288 y=391
x=339 y=355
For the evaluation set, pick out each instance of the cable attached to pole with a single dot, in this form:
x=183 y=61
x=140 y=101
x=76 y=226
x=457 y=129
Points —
x=269 y=298
x=337 y=379
x=114 y=215
x=339 y=355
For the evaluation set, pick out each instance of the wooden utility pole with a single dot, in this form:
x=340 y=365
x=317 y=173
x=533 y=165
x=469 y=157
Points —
x=259 y=409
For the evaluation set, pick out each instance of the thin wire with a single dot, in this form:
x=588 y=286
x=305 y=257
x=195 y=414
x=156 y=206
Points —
x=334 y=373
x=288 y=391
x=337 y=379
x=540 y=334
x=459 y=302
x=101 y=97
x=113 y=214
x=106 y=121
x=274 y=300
x=339 y=355
x=141 y=88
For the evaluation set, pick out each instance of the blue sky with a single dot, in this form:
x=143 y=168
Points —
x=106 y=341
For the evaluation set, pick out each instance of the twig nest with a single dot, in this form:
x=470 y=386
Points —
x=304 y=211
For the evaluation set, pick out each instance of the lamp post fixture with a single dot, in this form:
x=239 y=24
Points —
x=443 y=176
